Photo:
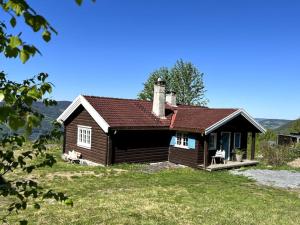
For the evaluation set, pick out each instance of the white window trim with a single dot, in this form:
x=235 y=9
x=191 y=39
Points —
x=181 y=145
x=215 y=142
x=81 y=144
x=239 y=141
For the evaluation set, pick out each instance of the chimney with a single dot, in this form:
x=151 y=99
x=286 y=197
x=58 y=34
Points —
x=158 y=108
x=171 y=98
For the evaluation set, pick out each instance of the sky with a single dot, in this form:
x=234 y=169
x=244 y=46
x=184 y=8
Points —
x=249 y=51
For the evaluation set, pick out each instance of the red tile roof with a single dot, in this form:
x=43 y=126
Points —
x=129 y=113
x=198 y=118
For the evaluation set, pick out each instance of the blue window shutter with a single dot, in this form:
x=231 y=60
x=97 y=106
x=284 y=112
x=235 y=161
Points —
x=192 y=143
x=173 y=141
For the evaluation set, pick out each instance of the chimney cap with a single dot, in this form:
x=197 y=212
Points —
x=171 y=92
x=160 y=81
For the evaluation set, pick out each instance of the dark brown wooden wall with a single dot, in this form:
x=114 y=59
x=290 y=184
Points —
x=140 y=146
x=188 y=157
x=286 y=140
x=98 y=150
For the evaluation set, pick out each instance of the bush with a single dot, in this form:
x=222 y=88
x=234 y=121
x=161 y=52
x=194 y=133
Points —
x=279 y=155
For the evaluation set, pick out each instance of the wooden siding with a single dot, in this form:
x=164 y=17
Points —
x=188 y=157
x=98 y=151
x=287 y=139
x=140 y=146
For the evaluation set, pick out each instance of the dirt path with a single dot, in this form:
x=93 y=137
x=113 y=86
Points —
x=275 y=178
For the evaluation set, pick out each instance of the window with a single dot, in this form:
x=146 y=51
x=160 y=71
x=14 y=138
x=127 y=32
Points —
x=178 y=139
x=182 y=140
x=237 y=140
x=84 y=136
x=212 y=141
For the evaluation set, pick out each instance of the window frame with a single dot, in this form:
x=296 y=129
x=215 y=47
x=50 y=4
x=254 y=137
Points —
x=84 y=136
x=234 y=139
x=215 y=141
x=184 y=140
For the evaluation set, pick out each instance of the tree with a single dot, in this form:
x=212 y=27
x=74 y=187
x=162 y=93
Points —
x=183 y=78
x=147 y=93
x=17 y=114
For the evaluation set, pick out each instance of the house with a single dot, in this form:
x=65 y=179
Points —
x=288 y=139
x=112 y=130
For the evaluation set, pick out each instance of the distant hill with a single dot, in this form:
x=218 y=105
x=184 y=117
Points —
x=272 y=124
x=51 y=113
x=287 y=128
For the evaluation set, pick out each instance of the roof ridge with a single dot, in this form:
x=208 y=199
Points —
x=116 y=98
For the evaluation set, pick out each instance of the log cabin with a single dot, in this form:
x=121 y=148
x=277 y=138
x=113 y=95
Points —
x=114 y=130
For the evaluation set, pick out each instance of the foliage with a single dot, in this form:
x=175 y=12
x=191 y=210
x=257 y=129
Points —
x=147 y=93
x=239 y=152
x=278 y=155
x=183 y=78
x=129 y=194
x=50 y=114
x=270 y=135
x=18 y=115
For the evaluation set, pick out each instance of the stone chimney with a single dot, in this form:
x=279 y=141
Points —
x=171 y=98
x=158 y=107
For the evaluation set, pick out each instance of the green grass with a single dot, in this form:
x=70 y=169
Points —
x=124 y=194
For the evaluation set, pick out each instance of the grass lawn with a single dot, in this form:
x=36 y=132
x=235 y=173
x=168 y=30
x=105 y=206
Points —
x=124 y=194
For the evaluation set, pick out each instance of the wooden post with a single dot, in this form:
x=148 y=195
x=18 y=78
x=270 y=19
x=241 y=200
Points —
x=65 y=141
x=109 y=150
x=205 y=151
x=253 y=146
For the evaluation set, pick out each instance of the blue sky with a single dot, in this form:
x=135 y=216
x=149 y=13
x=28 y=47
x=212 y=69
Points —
x=249 y=51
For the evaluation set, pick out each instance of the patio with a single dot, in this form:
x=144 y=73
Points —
x=230 y=165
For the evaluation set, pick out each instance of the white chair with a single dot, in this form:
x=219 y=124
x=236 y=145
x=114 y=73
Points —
x=219 y=154
x=73 y=156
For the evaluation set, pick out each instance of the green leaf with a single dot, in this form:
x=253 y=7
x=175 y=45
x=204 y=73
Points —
x=11 y=52
x=13 y=21
x=34 y=93
x=16 y=122
x=15 y=41
x=69 y=202
x=24 y=56
x=46 y=36
x=79 y=2
x=4 y=112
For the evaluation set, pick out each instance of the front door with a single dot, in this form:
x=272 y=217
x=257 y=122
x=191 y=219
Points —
x=225 y=143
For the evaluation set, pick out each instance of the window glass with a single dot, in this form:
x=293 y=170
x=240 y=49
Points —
x=237 y=140
x=84 y=136
x=212 y=141
x=178 y=135
x=185 y=140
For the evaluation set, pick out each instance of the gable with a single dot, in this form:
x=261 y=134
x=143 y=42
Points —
x=81 y=101
x=235 y=119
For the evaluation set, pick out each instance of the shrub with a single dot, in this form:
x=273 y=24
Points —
x=279 y=155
